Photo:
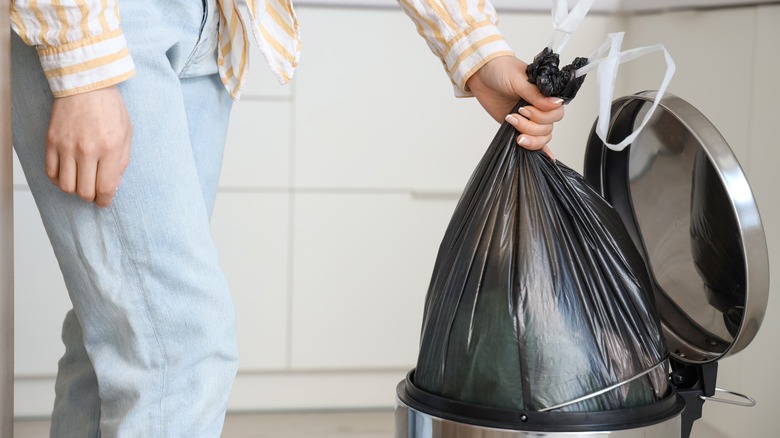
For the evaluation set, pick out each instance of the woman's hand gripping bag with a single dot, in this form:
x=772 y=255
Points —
x=538 y=296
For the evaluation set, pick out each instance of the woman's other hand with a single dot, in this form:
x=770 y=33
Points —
x=88 y=144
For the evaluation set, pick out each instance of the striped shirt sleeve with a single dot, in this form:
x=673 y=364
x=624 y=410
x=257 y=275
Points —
x=462 y=33
x=79 y=42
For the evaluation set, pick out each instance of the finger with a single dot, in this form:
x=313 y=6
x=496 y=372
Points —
x=544 y=103
x=52 y=165
x=533 y=142
x=525 y=126
x=125 y=160
x=67 y=174
x=85 y=183
x=542 y=117
x=109 y=173
x=546 y=150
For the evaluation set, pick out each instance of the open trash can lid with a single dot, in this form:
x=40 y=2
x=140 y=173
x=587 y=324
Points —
x=689 y=209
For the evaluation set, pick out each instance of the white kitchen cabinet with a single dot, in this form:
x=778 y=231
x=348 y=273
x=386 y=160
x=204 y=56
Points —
x=714 y=57
x=257 y=149
x=261 y=84
x=41 y=299
x=752 y=371
x=315 y=390
x=251 y=234
x=362 y=264
x=18 y=173
x=724 y=70
x=336 y=192
x=375 y=108
x=765 y=113
x=392 y=118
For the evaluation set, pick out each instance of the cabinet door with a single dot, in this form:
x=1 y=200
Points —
x=712 y=52
x=251 y=232
x=41 y=299
x=765 y=112
x=375 y=108
x=18 y=175
x=261 y=82
x=362 y=267
x=257 y=149
x=749 y=369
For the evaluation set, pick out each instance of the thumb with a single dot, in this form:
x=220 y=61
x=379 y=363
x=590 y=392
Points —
x=545 y=103
x=531 y=94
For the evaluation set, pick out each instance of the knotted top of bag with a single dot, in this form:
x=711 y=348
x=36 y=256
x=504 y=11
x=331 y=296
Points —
x=552 y=80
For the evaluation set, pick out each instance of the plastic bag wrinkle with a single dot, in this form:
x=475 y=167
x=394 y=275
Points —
x=538 y=295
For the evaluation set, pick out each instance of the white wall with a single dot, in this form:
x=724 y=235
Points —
x=336 y=191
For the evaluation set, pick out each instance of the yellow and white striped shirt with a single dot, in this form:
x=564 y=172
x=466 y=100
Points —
x=82 y=48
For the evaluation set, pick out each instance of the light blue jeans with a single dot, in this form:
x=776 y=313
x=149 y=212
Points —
x=150 y=343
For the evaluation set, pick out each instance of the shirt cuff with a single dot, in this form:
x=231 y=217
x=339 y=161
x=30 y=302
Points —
x=473 y=49
x=86 y=65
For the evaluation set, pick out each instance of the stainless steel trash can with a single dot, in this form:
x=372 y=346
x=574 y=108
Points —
x=654 y=184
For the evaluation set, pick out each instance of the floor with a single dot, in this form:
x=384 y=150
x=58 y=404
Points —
x=368 y=424
x=361 y=424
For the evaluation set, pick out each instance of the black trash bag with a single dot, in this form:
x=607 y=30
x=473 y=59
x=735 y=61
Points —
x=538 y=295
x=716 y=243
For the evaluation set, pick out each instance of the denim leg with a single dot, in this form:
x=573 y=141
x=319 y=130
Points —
x=77 y=404
x=207 y=136
x=157 y=318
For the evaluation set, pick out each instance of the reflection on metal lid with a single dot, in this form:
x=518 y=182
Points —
x=690 y=210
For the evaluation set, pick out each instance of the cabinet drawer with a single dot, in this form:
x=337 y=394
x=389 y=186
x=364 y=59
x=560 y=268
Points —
x=362 y=264
x=41 y=299
x=260 y=81
x=699 y=75
x=251 y=232
x=19 y=178
x=374 y=107
x=258 y=146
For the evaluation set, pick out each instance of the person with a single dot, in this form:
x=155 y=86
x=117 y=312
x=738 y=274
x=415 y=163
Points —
x=120 y=131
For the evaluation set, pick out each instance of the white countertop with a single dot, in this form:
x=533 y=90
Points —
x=546 y=5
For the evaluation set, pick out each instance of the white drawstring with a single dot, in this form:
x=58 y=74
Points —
x=606 y=60
x=567 y=22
